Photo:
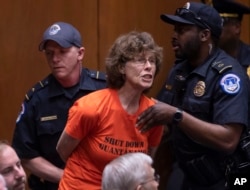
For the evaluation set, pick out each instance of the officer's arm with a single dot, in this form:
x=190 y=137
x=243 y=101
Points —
x=44 y=169
x=66 y=145
x=219 y=137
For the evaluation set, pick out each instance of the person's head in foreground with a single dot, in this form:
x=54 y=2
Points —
x=132 y=171
x=11 y=168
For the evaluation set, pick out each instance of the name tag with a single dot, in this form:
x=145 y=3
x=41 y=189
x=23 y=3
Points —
x=48 y=118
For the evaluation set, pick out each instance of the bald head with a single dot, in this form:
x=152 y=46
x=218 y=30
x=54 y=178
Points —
x=11 y=168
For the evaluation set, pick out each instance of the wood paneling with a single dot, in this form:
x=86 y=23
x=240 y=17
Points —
x=245 y=31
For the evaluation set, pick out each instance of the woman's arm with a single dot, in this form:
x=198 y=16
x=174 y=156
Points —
x=66 y=145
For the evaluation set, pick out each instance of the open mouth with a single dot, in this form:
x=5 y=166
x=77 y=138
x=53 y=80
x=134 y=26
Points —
x=147 y=77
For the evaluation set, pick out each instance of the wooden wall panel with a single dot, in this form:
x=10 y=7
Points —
x=245 y=31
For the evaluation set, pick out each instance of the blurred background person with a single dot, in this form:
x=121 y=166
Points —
x=232 y=13
x=101 y=126
x=11 y=168
x=132 y=171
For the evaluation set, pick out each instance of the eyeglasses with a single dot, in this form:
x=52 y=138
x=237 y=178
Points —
x=190 y=15
x=156 y=178
x=143 y=60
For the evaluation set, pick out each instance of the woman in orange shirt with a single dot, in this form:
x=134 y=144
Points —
x=101 y=125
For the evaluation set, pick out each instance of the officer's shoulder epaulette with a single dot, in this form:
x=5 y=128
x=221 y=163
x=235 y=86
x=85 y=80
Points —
x=41 y=84
x=221 y=66
x=97 y=75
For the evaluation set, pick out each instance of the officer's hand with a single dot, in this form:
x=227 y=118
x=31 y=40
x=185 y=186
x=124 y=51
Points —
x=158 y=114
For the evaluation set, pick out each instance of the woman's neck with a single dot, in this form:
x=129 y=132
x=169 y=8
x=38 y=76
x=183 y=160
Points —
x=130 y=99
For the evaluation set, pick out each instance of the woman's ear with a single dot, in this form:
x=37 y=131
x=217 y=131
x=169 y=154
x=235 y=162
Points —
x=122 y=69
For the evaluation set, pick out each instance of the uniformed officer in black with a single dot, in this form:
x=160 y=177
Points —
x=232 y=13
x=205 y=98
x=45 y=108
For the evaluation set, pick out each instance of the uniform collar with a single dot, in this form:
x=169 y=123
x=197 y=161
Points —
x=86 y=83
x=202 y=69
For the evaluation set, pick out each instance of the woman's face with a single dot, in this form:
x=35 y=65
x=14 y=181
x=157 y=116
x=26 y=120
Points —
x=140 y=71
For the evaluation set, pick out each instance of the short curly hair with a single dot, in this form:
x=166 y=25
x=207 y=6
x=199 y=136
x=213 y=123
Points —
x=126 y=48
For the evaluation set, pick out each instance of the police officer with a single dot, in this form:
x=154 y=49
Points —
x=205 y=98
x=44 y=111
x=232 y=13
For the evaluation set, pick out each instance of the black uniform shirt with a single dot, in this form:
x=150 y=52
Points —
x=215 y=92
x=44 y=114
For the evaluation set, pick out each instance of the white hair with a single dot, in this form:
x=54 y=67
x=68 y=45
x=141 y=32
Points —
x=126 y=171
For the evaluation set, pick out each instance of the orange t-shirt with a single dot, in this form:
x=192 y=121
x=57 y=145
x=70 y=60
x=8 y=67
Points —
x=106 y=131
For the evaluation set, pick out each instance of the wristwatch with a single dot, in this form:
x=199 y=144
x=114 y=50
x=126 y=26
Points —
x=177 y=118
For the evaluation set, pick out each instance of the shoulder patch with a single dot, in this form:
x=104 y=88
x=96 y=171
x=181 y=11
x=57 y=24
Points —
x=97 y=75
x=21 y=112
x=221 y=67
x=39 y=85
x=230 y=84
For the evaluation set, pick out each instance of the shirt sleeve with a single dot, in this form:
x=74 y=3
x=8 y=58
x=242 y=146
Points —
x=24 y=138
x=82 y=118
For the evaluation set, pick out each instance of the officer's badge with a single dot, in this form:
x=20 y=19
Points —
x=199 y=88
x=168 y=87
x=230 y=83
